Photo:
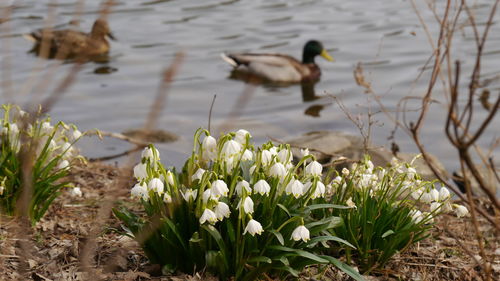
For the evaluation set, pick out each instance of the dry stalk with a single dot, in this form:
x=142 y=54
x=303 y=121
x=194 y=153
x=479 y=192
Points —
x=458 y=127
x=121 y=185
x=238 y=107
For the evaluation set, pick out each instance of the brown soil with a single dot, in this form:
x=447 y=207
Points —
x=54 y=249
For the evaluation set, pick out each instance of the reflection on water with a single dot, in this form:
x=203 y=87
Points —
x=308 y=95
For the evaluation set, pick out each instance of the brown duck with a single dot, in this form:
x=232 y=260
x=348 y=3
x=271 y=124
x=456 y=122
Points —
x=280 y=67
x=69 y=43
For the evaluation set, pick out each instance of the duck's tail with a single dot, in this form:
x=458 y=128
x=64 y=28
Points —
x=229 y=60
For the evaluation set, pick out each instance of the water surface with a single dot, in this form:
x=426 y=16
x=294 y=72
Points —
x=385 y=36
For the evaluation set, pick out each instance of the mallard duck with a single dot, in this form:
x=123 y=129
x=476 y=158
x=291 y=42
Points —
x=279 y=67
x=69 y=43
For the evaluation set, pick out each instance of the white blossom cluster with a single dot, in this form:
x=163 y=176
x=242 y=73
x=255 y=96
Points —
x=229 y=176
x=403 y=179
x=53 y=141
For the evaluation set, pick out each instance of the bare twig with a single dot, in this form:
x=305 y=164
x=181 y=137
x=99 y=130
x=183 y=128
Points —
x=210 y=112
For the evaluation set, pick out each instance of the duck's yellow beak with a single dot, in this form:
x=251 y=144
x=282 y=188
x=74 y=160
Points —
x=326 y=55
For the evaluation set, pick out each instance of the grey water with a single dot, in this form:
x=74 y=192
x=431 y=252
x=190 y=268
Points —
x=386 y=37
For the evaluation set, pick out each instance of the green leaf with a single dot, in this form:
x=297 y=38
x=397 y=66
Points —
x=220 y=242
x=260 y=259
x=174 y=229
x=284 y=260
x=329 y=222
x=292 y=271
x=299 y=252
x=195 y=238
x=345 y=268
x=326 y=206
x=278 y=235
x=284 y=209
x=329 y=238
x=387 y=233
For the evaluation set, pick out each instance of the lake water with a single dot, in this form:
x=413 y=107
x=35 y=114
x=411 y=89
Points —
x=385 y=36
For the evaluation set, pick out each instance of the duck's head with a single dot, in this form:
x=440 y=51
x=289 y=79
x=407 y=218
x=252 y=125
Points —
x=312 y=49
x=100 y=29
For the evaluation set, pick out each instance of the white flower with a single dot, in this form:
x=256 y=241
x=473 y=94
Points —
x=434 y=194
x=416 y=194
x=222 y=210
x=198 y=174
x=243 y=184
x=190 y=194
x=416 y=216
x=209 y=146
x=207 y=194
x=277 y=170
x=241 y=136
x=444 y=193
x=63 y=165
x=66 y=147
x=252 y=169
x=170 y=178
x=167 y=198
x=2 y=188
x=285 y=156
x=219 y=188
x=139 y=191
x=156 y=185
x=314 y=168
x=46 y=127
x=369 y=168
x=365 y=180
x=265 y=157
x=148 y=153
x=426 y=197
x=301 y=233
x=460 y=210
x=337 y=180
x=140 y=171
x=247 y=205
x=350 y=203
x=262 y=187
x=345 y=172
x=230 y=149
x=295 y=187
x=273 y=150
x=208 y=215
x=76 y=134
x=76 y=192
x=411 y=172
x=247 y=155
x=319 y=191
x=447 y=207
x=253 y=227
x=230 y=163
x=304 y=152
x=435 y=206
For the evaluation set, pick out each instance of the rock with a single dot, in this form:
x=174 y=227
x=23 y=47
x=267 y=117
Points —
x=324 y=144
x=156 y=136
x=486 y=173
x=329 y=146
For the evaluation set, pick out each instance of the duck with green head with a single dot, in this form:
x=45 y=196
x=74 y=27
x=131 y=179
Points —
x=70 y=43
x=280 y=67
